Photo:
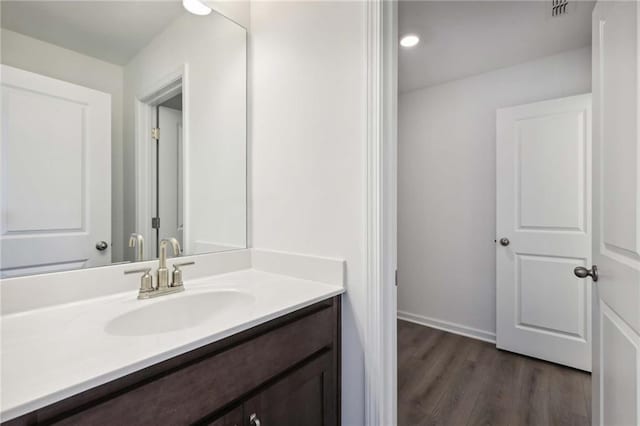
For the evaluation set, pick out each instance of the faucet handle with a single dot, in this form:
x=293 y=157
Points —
x=136 y=271
x=177 y=273
x=146 y=280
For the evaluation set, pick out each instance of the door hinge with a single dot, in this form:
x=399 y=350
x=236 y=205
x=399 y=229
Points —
x=155 y=133
x=155 y=222
x=396 y=279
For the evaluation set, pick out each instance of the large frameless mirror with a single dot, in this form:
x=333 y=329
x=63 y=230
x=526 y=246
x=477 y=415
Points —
x=123 y=123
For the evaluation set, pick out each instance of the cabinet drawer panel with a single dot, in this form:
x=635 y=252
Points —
x=192 y=392
x=304 y=397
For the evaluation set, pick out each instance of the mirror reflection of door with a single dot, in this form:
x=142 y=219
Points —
x=56 y=195
x=168 y=174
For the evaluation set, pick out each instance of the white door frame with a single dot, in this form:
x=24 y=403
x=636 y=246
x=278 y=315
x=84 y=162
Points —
x=380 y=351
x=145 y=103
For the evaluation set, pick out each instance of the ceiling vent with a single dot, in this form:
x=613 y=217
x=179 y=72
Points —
x=559 y=7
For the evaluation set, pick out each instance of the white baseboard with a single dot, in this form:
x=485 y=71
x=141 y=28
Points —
x=451 y=327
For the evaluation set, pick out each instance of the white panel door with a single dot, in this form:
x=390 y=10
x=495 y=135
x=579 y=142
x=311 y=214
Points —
x=543 y=210
x=616 y=214
x=56 y=174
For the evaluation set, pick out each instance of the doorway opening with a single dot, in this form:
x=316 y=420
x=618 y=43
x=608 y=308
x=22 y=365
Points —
x=494 y=212
x=167 y=187
x=161 y=141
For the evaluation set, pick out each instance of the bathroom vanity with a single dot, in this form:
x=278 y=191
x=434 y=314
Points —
x=254 y=335
x=285 y=371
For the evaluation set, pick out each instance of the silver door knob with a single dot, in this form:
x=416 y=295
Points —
x=102 y=245
x=504 y=242
x=582 y=272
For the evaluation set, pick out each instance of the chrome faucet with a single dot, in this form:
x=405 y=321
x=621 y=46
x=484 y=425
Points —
x=163 y=285
x=137 y=240
x=163 y=272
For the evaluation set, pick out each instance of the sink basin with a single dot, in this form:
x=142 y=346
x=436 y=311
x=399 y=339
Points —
x=176 y=313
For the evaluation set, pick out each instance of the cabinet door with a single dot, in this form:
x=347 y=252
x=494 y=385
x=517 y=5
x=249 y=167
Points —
x=304 y=397
x=230 y=418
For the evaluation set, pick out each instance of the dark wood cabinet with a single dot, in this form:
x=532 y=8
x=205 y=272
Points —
x=286 y=372
x=302 y=398
x=233 y=417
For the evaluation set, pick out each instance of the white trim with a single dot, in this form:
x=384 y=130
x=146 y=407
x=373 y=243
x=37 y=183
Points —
x=380 y=349
x=170 y=85
x=451 y=327
x=142 y=125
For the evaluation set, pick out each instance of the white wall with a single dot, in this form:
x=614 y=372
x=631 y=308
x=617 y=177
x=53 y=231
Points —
x=447 y=187
x=238 y=11
x=37 y=56
x=214 y=50
x=308 y=89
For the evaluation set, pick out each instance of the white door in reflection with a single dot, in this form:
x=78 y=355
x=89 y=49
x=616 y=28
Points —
x=56 y=175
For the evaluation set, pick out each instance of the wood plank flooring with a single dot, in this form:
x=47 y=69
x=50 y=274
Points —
x=446 y=379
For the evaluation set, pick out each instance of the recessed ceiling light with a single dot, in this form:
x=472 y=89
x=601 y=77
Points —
x=196 y=7
x=409 y=40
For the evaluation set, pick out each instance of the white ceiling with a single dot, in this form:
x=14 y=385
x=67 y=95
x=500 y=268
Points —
x=463 y=38
x=109 y=30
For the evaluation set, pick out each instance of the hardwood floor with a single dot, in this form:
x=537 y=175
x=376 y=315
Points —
x=446 y=379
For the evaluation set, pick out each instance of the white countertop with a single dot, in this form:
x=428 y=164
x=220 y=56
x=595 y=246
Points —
x=52 y=353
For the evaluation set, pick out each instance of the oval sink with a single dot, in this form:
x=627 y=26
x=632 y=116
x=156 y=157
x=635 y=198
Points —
x=176 y=313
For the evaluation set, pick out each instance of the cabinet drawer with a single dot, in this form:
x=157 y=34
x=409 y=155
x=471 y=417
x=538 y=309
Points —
x=195 y=390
